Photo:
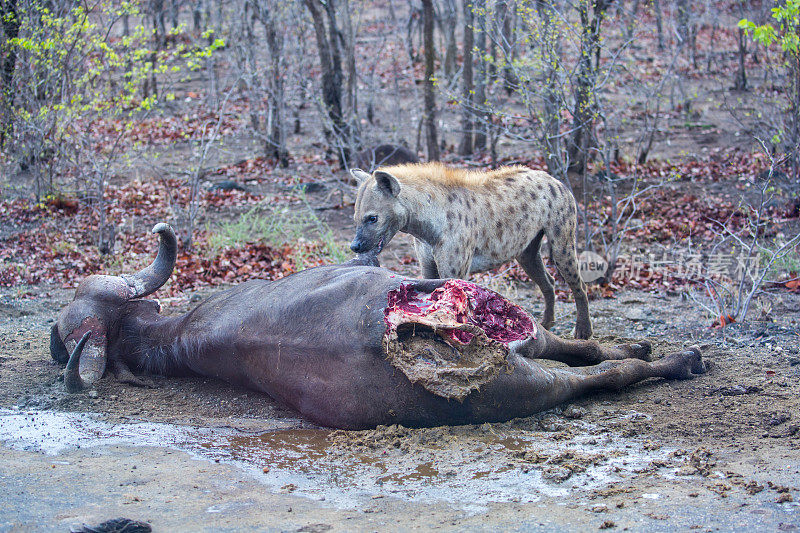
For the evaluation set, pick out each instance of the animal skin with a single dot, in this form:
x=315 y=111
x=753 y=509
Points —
x=470 y=221
x=383 y=155
x=349 y=346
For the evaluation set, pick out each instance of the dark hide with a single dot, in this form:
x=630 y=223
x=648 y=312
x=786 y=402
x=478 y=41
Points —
x=57 y=349
x=384 y=155
x=316 y=342
x=313 y=341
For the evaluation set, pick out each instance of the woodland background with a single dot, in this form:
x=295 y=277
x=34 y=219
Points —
x=675 y=123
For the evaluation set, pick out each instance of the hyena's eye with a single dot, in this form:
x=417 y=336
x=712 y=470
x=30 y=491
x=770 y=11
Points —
x=371 y=219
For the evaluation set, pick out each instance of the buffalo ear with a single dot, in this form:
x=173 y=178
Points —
x=387 y=183
x=359 y=175
x=58 y=351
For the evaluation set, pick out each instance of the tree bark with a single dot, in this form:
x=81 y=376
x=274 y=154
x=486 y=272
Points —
x=686 y=29
x=331 y=65
x=10 y=20
x=585 y=95
x=430 y=98
x=551 y=106
x=277 y=126
x=505 y=26
x=480 y=82
x=467 y=108
x=740 y=82
x=449 y=21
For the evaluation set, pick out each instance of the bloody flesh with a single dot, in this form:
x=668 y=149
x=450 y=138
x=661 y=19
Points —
x=465 y=303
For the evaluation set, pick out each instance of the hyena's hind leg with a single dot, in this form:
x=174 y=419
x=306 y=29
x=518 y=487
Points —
x=531 y=262
x=562 y=246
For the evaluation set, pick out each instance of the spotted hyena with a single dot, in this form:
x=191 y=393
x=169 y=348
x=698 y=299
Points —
x=468 y=221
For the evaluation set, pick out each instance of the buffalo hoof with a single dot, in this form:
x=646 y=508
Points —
x=639 y=350
x=686 y=364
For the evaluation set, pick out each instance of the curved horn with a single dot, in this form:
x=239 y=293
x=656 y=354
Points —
x=148 y=280
x=72 y=379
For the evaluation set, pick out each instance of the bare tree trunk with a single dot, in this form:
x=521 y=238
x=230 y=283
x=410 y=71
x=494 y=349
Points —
x=331 y=64
x=353 y=144
x=248 y=62
x=430 y=98
x=465 y=147
x=659 y=23
x=551 y=112
x=10 y=21
x=157 y=14
x=631 y=18
x=414 y=16
x=150 y=83
x=449 y=20
x=174 y=12
x=480 y=82
x=586 y=78
x=350 y=57
x=505 y=36
x=794 y=108
x=197 y=16
x=276 y=129
x=740 y=81
x=686 y=29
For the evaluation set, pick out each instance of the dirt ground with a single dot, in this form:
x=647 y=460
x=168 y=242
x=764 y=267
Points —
x=193 y=454
x=721 y=451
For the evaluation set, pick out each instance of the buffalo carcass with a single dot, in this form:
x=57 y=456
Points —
x=349 y=346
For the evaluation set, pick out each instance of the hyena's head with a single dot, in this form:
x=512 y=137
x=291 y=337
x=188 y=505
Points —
x=379 y=214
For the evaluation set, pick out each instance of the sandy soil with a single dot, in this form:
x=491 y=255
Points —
x=719 y=451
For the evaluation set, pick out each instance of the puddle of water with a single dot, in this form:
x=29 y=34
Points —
x=424 y=471
x=467 y=473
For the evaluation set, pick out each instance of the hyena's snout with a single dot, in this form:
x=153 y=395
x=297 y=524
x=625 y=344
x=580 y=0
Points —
x=366 y=241
x=359 y=246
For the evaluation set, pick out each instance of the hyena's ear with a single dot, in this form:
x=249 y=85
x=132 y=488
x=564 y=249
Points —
x=359 y=175
x=387 y=183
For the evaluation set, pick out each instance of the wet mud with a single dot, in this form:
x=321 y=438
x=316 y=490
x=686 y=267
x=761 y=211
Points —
x=193 y=454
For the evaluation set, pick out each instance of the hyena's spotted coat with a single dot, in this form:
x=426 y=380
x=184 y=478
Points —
x=466 y=221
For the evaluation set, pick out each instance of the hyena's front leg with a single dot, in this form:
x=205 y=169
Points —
x=454 y=260
x=426 y=259
x=547 y=345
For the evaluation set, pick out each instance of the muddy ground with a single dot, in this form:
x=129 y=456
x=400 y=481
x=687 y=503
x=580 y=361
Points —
x=721 y=451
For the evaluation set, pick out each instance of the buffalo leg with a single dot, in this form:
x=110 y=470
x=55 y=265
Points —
x=547 y=345
x=564 y=385
x=123 y=374
x=533 y=388
x=615 y=374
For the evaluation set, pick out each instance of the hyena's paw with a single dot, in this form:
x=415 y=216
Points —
x=583 y=330
x=640 y=350
x=684 y=365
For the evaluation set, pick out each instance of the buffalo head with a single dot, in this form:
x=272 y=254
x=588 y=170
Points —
x=80 y=336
